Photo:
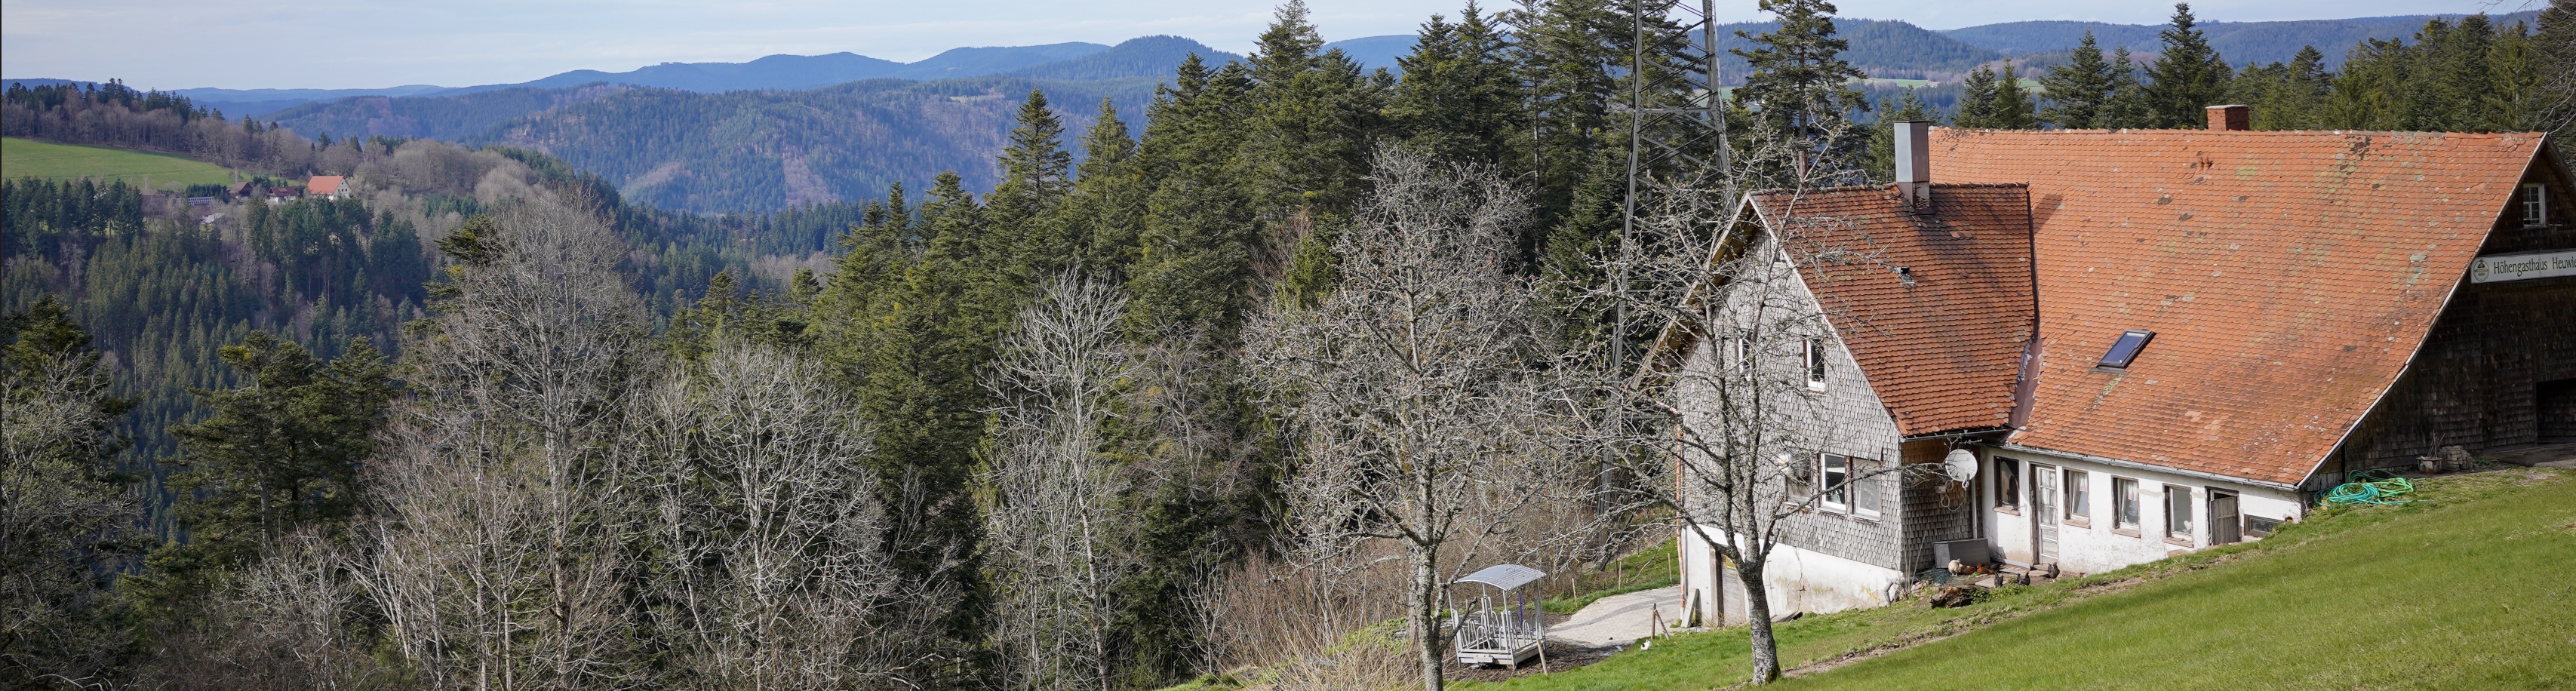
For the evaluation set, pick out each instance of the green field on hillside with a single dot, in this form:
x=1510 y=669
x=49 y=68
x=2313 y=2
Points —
x=2473 y=586
x=29 y=158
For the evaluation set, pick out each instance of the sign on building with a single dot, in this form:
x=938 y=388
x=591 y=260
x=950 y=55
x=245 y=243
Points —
x=2525 y=266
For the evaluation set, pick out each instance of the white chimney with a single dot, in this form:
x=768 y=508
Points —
x=1914 y=162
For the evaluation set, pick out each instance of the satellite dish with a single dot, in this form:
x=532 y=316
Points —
x=1961 y=465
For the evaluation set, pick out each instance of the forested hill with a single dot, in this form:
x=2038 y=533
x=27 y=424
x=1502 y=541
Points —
x=771 y=150
x=764 y=150
x=815 y=71
x=2241 y=43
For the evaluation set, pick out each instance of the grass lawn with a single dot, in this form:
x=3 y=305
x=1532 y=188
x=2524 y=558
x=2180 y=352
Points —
x=2473 y=586
x=29 y=158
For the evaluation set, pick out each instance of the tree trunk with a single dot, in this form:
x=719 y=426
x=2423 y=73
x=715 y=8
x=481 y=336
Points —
x=1426 y=616
x=1757 y=619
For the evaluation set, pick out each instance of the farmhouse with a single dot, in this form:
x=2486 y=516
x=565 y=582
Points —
x=2136 y=343
x=327 y=186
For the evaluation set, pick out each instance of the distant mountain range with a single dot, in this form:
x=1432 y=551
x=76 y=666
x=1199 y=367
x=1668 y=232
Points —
x=791 y=129
x=2239 y=42
x=1150 y=56
x=673 y=136
x=1888 y=49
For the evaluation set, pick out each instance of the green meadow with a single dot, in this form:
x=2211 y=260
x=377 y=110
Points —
x=29 y=158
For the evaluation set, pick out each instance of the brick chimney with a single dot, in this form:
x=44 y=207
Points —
x=2232 y=118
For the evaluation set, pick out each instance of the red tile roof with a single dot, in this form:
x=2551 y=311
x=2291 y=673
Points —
x=1943 y=352
x=2288 y=277
x=323 y=185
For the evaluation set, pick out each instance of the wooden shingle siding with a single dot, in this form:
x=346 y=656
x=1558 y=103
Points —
x=2474 y=384
x=1935 y=508
x=1846 y=418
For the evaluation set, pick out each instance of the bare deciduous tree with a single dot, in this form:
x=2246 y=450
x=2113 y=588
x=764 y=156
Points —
x=293 y=619
x=61 y=512
x=1052 y=520
x=498 y=543
x=1414 y=389
x=766 y=524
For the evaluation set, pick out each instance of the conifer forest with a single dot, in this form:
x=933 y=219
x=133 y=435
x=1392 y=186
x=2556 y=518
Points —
x=1188 y=379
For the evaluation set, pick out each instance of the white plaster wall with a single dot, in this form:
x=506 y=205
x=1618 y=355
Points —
x=1699 y=576
x=1796 y=579
x=2099 y=546
x=1802 y=580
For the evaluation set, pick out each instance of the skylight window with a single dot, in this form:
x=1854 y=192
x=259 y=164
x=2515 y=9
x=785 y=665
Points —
x=2126 y=349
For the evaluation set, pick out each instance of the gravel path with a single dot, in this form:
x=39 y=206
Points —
x=1618 y=619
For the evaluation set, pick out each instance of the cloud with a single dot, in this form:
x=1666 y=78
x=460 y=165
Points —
x=375 y=43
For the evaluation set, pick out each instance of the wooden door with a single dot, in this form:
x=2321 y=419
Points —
x=2224 y=525
x=2043 y=514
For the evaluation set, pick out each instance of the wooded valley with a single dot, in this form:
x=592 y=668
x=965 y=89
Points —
x=1184 y=374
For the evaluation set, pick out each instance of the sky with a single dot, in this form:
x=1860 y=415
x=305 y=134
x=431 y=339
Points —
x=172 y=44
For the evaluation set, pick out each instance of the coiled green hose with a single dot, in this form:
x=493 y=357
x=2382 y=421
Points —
x=2371 y=487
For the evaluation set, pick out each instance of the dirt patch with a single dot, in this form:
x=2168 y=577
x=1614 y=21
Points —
x=1561 y=656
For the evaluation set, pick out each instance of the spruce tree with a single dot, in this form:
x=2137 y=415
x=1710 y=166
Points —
x=1200 y=232
x=1106 y=206
x=1459 y=98
x=279 y=453
x=2127 y=106
x=1977 y=99
x=2188 y=77
x=1036 y=175
x=2079 y=90
x=912 y=321
x=1797 y=74
x=1568 y=53
x=2011 y=108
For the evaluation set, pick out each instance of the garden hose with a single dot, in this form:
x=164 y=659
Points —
x=2364 y=489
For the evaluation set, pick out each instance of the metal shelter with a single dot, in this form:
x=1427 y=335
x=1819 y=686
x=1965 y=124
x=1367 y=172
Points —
x=1502 y=624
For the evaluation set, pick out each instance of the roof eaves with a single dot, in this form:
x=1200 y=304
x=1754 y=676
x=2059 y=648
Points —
x=2105 y=460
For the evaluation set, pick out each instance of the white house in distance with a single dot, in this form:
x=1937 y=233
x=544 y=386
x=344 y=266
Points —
x=2153 y=341
x=332 y=187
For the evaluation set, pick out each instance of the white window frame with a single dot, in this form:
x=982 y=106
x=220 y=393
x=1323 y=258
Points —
x=1834 y=495
x=2078 y=502
x=1815 y=362
x=2535 y=205
x=2008 y=482
x=1863 y=509
x=2178 y=524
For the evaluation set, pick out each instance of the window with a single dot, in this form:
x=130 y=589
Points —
x=1816 y=364
x=1800 y=476
x=2126 y=349
x=1837 y=482
x=2178 y=512
x=2007 y=482
x=2535 y=205
x=1865 y=490
x=2258 y=526
x=2125 y=491
x=2078 y=497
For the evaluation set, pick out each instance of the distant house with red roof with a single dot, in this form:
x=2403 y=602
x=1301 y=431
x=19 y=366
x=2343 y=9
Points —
x=2150 y=341
x=327 y=186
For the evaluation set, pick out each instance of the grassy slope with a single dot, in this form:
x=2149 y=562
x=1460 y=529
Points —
x=30 y=158
x=2474 y=587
